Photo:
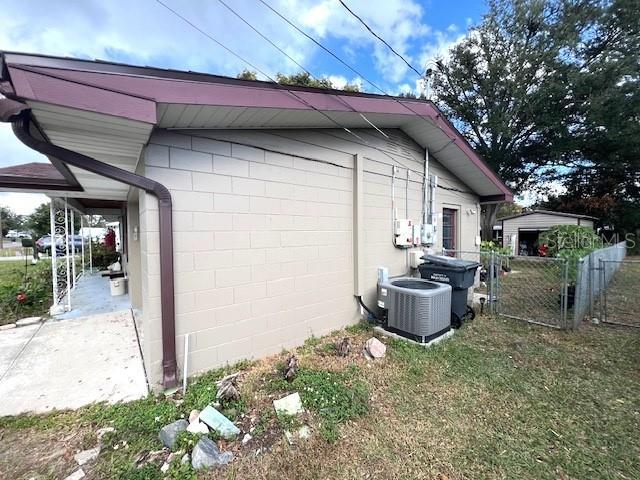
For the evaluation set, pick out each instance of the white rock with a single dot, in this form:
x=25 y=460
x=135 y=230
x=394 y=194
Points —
x=375 y=348
x=198 y=427
x=165 y=467
x=101 y=432
x=246 y=439
x=186 y=458
x=23 y=322
x=8 y=326
x=289 y=405
x=87 y=456
x=77 y=475
x=193 y=415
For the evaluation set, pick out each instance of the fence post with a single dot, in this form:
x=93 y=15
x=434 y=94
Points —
x=490 y=287
x=603 y=310
x=565 y=295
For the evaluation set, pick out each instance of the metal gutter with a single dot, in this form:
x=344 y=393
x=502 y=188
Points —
x=22 y=130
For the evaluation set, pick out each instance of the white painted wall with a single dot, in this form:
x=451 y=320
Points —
x=536 y=221
x=263 y=240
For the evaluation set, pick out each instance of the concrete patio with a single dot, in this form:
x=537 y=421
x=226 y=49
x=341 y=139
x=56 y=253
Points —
x=62 y=364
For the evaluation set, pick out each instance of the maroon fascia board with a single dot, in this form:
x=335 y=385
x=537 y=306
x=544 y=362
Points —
x=132 y=92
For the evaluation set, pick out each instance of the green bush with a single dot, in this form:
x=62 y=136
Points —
x=569 y=241
x=24 y=294
x=102 y=256
x=491 y=246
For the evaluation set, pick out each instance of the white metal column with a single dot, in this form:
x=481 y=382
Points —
x=73 y=247
x=82 y=239
x=90 y=246
x=52 y=254
x=66 y=241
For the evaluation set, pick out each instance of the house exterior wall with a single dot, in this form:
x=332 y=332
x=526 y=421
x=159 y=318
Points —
x=536 y=221
x=263 y=251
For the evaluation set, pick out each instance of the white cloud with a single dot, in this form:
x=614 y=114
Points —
x=22 y=203
x=399 y=22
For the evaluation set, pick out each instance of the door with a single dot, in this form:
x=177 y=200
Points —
x=449 y=229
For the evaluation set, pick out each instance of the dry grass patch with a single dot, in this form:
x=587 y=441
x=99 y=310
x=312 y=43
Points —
x=500 y=399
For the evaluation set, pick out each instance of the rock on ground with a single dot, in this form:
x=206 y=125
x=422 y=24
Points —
x=206 y=454
x=198 y=427
x=169 y=433
x=289 y=405
x=87 y=456
x=77 y=475
x=193 y=415
x=374 y=348
x=219 y=423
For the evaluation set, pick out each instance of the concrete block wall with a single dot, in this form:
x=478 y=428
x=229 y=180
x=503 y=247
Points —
x=263 y=240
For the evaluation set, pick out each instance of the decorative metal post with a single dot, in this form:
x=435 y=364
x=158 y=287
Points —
x=82 y=239
x=66 y=241
x=73 y=247
x=52 y=254
x=90 y=246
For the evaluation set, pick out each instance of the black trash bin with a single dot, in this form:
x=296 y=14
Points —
x=460 y=274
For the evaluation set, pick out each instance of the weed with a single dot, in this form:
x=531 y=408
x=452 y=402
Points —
x=335 y=396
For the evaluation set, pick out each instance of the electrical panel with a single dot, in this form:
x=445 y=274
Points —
x=427 y=234
x=403 y=232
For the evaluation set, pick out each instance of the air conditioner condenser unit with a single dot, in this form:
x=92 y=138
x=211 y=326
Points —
x=415 y=308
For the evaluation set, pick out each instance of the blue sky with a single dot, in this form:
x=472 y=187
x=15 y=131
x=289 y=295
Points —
x=143 y=32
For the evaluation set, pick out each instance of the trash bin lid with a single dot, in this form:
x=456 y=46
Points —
x=451 y=263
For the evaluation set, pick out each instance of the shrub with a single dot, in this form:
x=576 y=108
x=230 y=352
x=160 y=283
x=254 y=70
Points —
x=103 y=256
x=23 y=294
x=569 y=241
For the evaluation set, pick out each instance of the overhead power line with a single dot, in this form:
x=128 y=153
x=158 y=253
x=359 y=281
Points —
x=279 y=86
x=242 y=59
x=420 y=74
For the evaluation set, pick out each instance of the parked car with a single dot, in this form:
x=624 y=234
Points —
x=43 y=244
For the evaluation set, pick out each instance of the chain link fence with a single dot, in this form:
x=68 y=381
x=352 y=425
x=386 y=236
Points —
x=618 y=300
x=556 y=292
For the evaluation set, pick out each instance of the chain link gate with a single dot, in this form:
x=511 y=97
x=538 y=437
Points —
x=533 y=289
x=618 y=300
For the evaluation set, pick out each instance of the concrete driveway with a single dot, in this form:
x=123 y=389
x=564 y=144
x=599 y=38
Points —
x=64 y=364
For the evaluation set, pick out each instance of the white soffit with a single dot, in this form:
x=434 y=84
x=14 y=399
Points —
x=112 y=140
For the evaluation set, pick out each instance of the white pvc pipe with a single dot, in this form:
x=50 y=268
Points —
x=185 y=364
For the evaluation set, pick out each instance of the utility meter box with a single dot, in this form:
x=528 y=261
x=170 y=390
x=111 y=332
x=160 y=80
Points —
x=403 y=231
x=427 y=234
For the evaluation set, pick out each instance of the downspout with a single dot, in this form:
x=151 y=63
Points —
x=75 y=159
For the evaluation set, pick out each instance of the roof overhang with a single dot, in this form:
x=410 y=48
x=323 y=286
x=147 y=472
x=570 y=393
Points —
x=107 y=111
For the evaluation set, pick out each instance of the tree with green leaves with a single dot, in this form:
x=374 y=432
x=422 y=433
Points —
x=605 y=85
x=10 y=220
x=505 y=87
x=39 y=222
x=301 y=79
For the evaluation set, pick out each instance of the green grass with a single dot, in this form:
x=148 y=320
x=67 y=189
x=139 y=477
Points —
x=501 y=399
x=34 y=280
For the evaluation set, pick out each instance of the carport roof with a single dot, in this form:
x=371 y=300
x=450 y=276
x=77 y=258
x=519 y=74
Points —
x=107 y=111
x=548 y=212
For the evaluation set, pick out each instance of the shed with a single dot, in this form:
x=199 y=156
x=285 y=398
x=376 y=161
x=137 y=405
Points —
x=521 y=231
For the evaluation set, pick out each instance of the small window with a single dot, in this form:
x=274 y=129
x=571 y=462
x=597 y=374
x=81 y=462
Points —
x=449 y=229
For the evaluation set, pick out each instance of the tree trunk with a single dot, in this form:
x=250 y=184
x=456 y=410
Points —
x=488 y=220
